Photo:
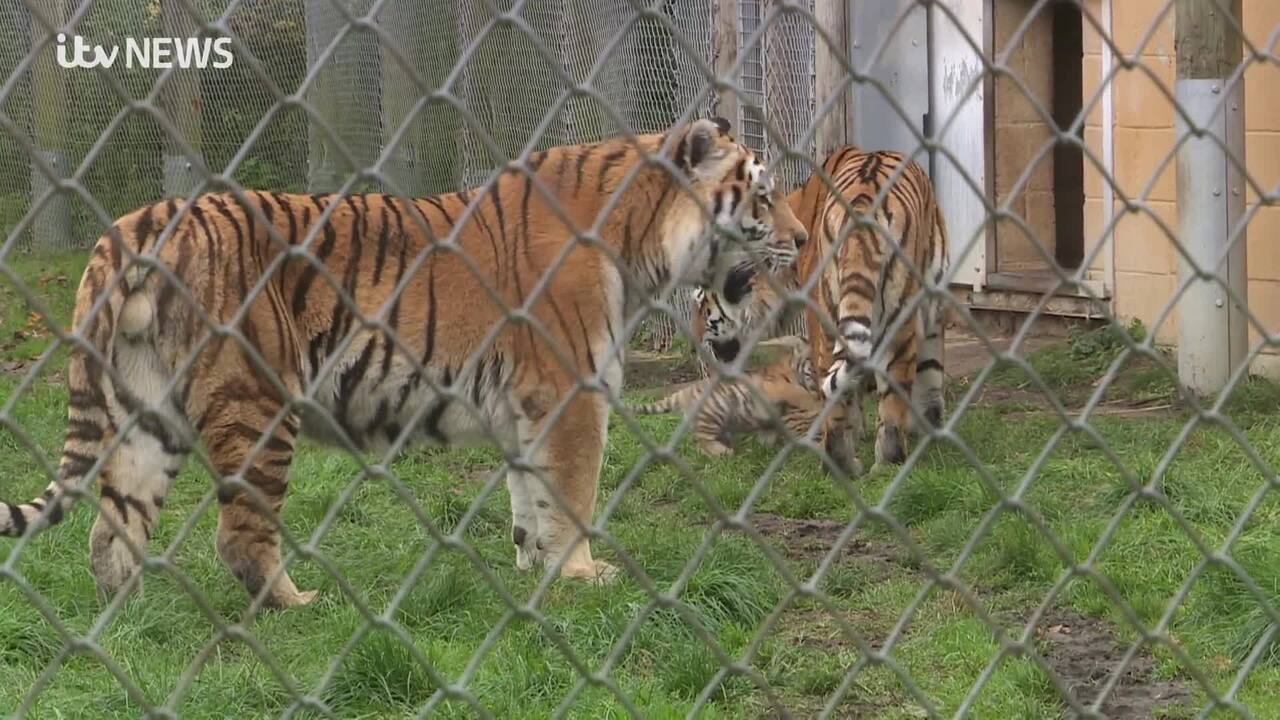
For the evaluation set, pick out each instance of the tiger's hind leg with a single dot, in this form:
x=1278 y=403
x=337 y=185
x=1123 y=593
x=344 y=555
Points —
x=568 y=455
x=713 y=438
x=132 y=488
x=251 y=485
x=930 y=373
x=136 y=477
x=714 y=446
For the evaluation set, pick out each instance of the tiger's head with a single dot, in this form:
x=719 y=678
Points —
x=708 y=153
x=724 y=216
x=786 y=234
x=751 y=291
x=761 y=214
x=797 y=363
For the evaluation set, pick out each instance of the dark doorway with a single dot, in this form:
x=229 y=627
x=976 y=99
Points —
x=1068 y=158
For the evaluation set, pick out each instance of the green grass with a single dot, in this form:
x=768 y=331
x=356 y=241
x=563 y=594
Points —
x=527 y=669
x=51 y=278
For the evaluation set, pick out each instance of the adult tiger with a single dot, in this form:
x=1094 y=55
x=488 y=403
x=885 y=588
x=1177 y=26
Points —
x=866 y=283
x=404 y=319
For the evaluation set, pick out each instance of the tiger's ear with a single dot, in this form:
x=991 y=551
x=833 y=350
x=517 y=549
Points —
x=723 y=124
x=699 y=141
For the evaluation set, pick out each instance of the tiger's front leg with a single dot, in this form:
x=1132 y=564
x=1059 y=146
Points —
x=248 y=537
x=846 y=382
x=560 y=485
x=844 y=433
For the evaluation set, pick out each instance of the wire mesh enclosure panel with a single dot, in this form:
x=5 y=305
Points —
x=778 y=78
x=265 y=300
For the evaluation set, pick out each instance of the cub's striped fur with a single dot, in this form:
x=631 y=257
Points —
x=393 y=325
x=862 y=290
x=780 y=392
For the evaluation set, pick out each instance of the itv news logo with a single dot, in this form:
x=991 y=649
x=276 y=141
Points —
x=155 y=53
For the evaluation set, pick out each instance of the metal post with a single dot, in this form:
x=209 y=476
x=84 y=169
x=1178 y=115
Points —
x=580 y=46
x=724 y=28
x=52 y=225
x=830 y=79
x=180 y=99
x=1212 y=332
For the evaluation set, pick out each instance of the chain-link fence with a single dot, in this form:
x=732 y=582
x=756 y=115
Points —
x=1080 y=534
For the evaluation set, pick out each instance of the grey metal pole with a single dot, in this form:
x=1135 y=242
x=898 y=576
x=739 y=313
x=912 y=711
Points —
x=1212 y=331
x=427 y=158
x=180 y=99
x=724 y=54
x=52 y=226
x=829 y=76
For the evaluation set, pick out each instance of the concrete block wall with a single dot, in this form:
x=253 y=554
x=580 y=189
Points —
x=1146 y=261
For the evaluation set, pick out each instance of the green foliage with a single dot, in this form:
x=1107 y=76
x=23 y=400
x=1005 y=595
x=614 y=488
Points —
x=1095 y=349
x=382 y=673
x=12 y=208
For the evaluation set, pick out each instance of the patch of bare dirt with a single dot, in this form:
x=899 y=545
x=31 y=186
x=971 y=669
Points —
x=993 y=395
x=16 y=368
x=650 y=370
x=1084 y=652
x=997 y=395
x=966 y=354
x=669 y=371
x=1037 y=405
x=812 y=539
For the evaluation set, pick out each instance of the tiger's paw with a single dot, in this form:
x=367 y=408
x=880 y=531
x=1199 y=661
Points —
x=880 y=466
x=597 y=572
x=525 y=560
x=840 y=378
x=850 y=468
x=297 y=599
x=716 y=449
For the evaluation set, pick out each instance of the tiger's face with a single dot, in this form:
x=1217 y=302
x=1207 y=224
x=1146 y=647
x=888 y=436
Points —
x=774 y=236
x=787 y=233
x=717 y=319
x=796 y=365
x=750 y=292
x=718 y=322
x=761 y=215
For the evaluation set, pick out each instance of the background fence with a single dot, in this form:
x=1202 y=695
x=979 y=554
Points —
x=1085 y=536
x=365 y=94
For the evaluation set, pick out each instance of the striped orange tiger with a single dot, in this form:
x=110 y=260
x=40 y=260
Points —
x=466 y=317
x=865 y=285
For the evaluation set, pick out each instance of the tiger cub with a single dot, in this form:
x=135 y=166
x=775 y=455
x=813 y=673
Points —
x=862 y=278
x=779 y=393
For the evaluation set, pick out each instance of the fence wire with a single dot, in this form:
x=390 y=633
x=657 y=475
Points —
x=423 y=98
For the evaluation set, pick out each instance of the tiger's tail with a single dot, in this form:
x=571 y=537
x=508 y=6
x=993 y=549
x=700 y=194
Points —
x=93 y=396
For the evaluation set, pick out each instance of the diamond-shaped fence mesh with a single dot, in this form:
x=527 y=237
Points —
x=367 y=237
